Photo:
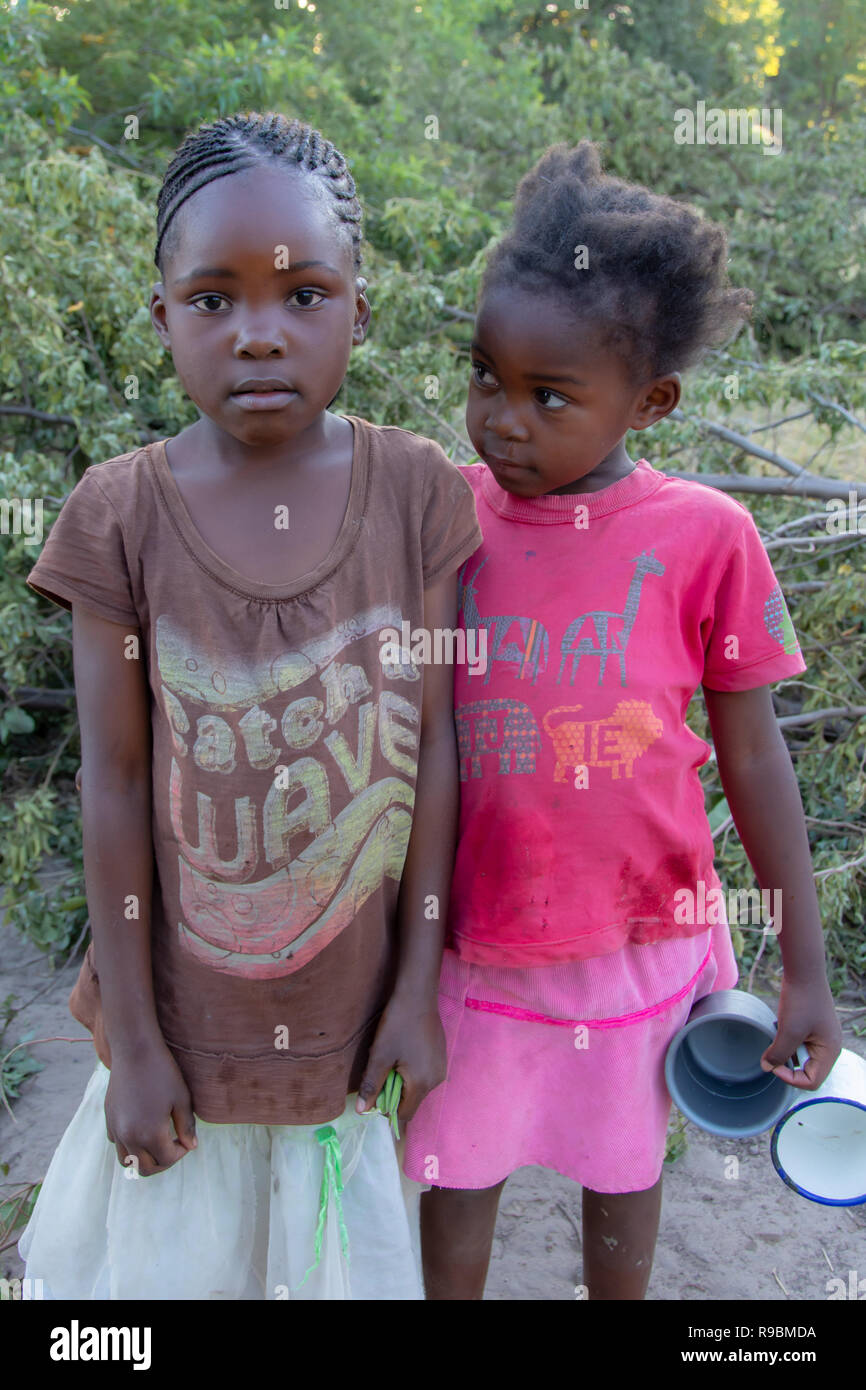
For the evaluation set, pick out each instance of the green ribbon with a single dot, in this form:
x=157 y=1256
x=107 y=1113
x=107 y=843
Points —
x=332 y=1175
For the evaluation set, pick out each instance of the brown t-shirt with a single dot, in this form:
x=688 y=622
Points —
x=284 y=764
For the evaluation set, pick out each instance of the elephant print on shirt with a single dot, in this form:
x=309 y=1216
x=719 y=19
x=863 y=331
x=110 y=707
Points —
x=530 y=657
x=504 y=727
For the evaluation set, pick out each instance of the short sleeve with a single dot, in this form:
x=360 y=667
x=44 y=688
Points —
x=84 y=557
x=449 y=530
x=751 y=639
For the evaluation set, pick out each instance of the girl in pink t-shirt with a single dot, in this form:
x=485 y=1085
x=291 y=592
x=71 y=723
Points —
x=580 y=931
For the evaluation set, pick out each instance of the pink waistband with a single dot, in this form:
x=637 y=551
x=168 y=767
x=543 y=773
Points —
x=511 y=1011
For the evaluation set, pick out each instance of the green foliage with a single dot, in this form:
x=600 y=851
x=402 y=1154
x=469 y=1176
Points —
x=17 y=1069
x=440 y=107
x=824 y=68
x=29 y=80
x=828 y=755
x=16 y=1209
x=16 y=1063
x=676 y=1139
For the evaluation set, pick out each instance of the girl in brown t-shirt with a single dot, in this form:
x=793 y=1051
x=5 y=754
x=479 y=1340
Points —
x=268 y=797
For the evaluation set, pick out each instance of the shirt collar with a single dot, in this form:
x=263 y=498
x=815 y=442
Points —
x=552 y=509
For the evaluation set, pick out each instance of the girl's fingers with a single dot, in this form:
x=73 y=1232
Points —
x=783 y=1047
x=789 y=1076
x=184 y=1123
x=148 y=1166
x=813 y=1073
x=160 y=1152
x=816 y=1070
x=371 y=1086
x=408 y=1104
x=138 y=1165
x=165 y=1149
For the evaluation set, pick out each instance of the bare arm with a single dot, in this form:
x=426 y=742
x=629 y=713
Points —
x=410 y=1035
x=430 y=856
x=762 y=792
x=113 y=712
x=111 y=694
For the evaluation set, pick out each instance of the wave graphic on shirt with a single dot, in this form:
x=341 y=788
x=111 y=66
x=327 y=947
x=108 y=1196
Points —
x=275 y=925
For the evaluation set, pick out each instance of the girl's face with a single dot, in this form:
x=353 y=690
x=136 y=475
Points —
x=260 y=304
x=548 y=405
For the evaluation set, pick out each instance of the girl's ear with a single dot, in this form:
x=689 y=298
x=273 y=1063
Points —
x=157 y=314
x=363 y=312
x=658 y=400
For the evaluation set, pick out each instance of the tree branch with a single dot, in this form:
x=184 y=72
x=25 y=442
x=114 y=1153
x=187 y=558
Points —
x=841 y=868
x=41 y=415
x=743 y=442
x=103 y=144
x=788 y=541
x=459 y=313
x=808 y=486
x=443 y=424
x=31 y=697
x=99 y=364
x=806 y=519
x=802 y=557
x=831 y=405
x=815 y=716
x=776 y=424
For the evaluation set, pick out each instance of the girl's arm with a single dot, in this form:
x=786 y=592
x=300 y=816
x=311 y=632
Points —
x=410 y=1036
x=762 y=792
x=146 y=1087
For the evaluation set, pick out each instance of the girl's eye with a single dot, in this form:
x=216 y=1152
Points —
x=305 y=297
x=210 y=302
x=554 y=402
x=478 y=371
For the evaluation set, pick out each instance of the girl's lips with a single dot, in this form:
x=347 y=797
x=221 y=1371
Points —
x=263 y=400
x=493 y=462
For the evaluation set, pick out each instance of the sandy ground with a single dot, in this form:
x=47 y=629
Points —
x=749 y=1239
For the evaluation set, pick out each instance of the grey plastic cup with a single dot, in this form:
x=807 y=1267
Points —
x=713 y=1066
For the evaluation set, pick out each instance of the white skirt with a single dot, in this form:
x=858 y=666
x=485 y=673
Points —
x=242 y=1216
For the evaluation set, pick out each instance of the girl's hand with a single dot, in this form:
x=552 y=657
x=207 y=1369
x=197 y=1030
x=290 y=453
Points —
x=806 y=1015
x=145 y=1093
x=410 y=1039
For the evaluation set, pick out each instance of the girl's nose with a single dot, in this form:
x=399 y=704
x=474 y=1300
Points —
x=506 y=423
x=260 y=337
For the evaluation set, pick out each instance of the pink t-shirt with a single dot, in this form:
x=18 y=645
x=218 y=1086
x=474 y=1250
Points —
x=582 y=812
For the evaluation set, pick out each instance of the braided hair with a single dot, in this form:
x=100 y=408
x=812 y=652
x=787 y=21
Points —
x=653 y=271
x=233 y=143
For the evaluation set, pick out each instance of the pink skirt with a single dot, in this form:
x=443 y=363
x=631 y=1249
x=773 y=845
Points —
x=561 y=1066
